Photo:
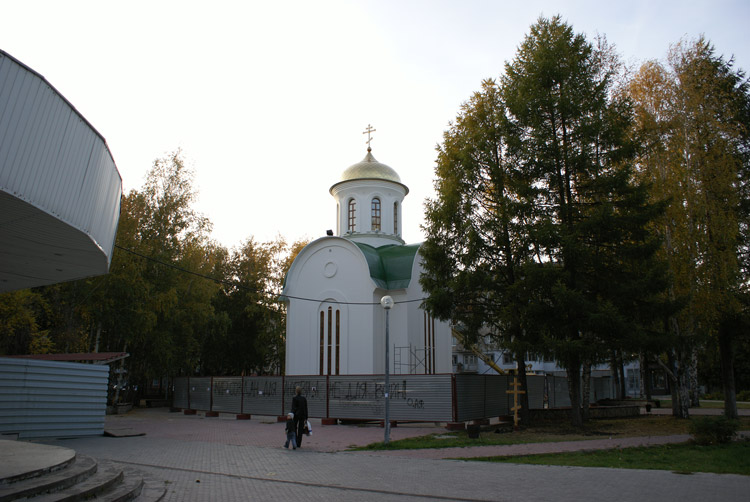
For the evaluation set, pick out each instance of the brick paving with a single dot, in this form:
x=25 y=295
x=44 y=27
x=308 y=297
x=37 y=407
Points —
x=223 y=459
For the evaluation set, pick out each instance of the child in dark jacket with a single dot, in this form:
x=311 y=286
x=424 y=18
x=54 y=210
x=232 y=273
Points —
x=291 y=435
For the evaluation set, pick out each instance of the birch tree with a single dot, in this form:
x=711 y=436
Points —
x=695 y=112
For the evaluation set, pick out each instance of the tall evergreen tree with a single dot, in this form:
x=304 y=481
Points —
x=476 y=238
x=593 y=251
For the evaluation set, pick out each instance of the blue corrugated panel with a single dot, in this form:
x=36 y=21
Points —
x=52 y=399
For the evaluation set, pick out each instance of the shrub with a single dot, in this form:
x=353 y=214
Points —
x=743 y=395
x=713 y=430
x=715 y=396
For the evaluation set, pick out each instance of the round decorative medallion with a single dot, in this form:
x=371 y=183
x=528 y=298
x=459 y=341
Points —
x=329 y=270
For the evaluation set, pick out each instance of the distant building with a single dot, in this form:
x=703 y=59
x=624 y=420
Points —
x=335 y=323
x=465 y=360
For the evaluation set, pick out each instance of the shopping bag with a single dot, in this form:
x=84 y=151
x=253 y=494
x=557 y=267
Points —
x=308 y=428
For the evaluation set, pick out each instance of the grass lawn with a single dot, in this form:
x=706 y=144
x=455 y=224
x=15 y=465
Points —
x=645 y=425
x=733 y=458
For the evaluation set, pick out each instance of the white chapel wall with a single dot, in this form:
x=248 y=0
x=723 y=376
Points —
x=328 y=270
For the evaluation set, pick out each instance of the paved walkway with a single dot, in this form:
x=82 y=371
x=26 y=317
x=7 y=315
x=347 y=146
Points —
x=223 y=459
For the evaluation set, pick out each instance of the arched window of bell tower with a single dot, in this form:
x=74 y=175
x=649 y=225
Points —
x=375 y=212
x=352 y=216
x=395 y=218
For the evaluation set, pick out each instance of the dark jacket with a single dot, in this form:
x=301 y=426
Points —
x=289 y=425
x=299 y=408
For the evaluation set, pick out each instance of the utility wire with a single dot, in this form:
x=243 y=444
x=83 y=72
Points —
x=273 y=296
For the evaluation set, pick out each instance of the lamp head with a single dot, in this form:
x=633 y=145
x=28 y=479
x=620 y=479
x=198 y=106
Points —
x=387 y=302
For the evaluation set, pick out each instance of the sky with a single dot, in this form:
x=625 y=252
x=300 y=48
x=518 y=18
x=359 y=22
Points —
x=268 y=100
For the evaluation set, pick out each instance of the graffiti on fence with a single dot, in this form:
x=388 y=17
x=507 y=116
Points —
x=311 y=388
x=262 y=389
x=226 y=387
x=366 y=390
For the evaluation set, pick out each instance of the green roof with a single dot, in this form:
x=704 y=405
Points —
x=391 y=265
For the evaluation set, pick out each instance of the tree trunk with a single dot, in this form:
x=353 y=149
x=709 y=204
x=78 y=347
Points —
x=645 y=377
x=98 y=336
x=586 y=393
x=621 y=371
x=119 y=376
x=727 y=373
x=615 y=375
x=695 y=392
x=683 y=383
x=523 y=399
x=679 y=387
x=574 y=390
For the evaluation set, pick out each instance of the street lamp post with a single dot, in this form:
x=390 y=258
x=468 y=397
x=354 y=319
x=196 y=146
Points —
x=387 y=303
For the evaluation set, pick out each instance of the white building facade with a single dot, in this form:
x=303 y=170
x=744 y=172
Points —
x=335 y=323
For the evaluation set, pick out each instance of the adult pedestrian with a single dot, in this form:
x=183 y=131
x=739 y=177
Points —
x=299 y=408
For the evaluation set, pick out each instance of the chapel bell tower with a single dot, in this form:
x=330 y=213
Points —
x=368 y=201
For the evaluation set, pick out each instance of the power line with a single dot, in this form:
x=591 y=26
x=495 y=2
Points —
x=274 y=296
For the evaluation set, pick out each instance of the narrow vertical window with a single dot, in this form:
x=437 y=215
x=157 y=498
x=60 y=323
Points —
x=395 y=218
x=338 y=340
x=322 y=339
x=375 y=226
x=432 y=343
x=429 y=343
x=330 y=337
x=426 y=344
x=352 y=215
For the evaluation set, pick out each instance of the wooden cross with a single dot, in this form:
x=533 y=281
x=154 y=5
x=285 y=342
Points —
x=516 y=406
x=368 y=131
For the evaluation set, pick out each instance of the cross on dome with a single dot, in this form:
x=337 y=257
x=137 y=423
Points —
x=368 y=131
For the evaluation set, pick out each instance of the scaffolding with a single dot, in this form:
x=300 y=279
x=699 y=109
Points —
x=412 y=360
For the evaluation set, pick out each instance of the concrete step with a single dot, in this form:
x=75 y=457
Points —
x=154 y=490
x=20 y=460
x=152 y=493
x=135 y=486
x=59 y=474
x=130 y=488
x=81 y=468
x=106 y=478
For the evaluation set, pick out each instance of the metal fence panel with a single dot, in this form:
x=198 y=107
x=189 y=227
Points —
x=484 y=396
x=470 y=397
x=421 y=397
x=558 y=392
x=498 y=400
x=180 y=397
x=200 y=393
x=412 y=397
x=357 y=396
x=52 y=399
x=227 y=394
x=263 y=395
x=314 y=388
x=535 y=392
x=601 y=388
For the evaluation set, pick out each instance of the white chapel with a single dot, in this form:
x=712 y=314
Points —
x=335 y=322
